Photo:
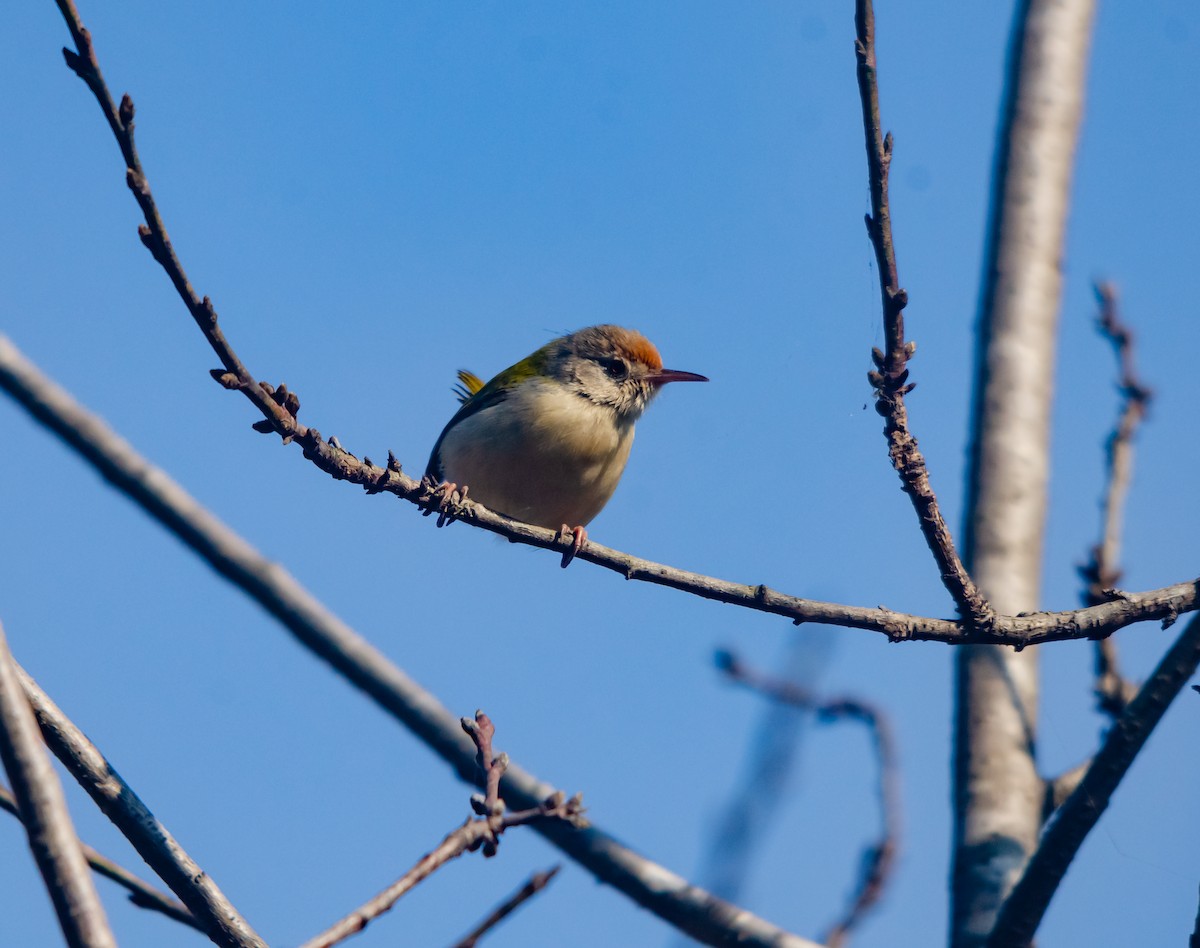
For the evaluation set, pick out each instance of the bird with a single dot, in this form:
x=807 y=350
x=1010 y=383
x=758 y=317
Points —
x=546 y=440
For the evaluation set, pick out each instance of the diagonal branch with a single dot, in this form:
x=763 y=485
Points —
x=1101 y=572
x=116 y=799
x=1022 y=912
x=687 y=907
x=890 y=376
x=141 y=894
x=42 y=809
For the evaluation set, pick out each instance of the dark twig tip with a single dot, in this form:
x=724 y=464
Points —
x=125 y=112
x=74 y=63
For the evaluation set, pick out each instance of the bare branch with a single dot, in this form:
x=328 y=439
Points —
x=222 y=922
x=879 y=858
x=42 y=809
x=279 y=407
x=1101 y=573
x=141 y=894
x=1023 y=910
x=537 y=882
x=889 y=378
x=492 y=819
x=154 y=491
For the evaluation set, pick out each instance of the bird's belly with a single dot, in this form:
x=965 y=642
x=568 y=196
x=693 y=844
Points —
x=548 y=467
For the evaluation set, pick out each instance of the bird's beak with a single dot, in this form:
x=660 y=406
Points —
x=663 y=376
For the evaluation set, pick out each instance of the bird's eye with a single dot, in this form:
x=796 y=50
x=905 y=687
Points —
x=614 y=369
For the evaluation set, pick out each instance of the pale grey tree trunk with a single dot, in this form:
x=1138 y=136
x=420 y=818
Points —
x=997 y=790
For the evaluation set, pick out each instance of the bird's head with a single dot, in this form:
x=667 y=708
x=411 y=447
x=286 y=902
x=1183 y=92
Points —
x=614 y=367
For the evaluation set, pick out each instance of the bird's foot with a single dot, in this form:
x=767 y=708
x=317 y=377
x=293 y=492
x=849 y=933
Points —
x=441 y=499
x=580 y=541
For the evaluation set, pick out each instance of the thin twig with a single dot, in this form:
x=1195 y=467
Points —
x=687 y=907
x=879 y=857
x=537 y=882
x=1022 y=912
x=889 y=378
x=1102 y=573
x=141 y=894
x=42 y=809
x=492 y=819
x=222 y=922
x=153 y=490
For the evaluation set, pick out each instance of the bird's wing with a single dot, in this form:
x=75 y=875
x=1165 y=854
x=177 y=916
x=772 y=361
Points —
x=479 y=396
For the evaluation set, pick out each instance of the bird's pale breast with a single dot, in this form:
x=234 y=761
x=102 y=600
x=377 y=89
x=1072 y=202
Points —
x=542 y=455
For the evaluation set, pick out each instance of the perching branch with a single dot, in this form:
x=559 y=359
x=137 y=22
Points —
x=1101 y=573
x=1022 y=912
x=165 y=501
x=492 y=819
x=687 y=907
x=537 y=882
x=222 y=922
x=279 y=407
x=890 y=376
x=141 y=894
x=42 y=809
x=879 y=857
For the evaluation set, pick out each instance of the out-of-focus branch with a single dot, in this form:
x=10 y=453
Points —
x=492 y=819
x=879 y=858
x=141 y=893
x=153 y=490
x=279 y=407
x=1101 y=572
x=537 y=882
x=42 y=809
x=117 y=800
x=687 y=907
x=889 y=378
x=1022 y=912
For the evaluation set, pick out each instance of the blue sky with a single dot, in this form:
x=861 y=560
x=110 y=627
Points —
x=375 y=197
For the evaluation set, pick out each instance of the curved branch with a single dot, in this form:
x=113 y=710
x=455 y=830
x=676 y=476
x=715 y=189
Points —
x=117 y=461
x=879 y=858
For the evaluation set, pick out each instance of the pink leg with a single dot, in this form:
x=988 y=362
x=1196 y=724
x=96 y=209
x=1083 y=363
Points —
x=581 y=538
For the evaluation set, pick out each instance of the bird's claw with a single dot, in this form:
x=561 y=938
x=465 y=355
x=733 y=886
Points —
x=440 y=499
x=579 y=542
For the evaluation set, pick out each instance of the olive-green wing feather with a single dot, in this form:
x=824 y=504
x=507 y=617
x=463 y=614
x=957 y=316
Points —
x=475 y=396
